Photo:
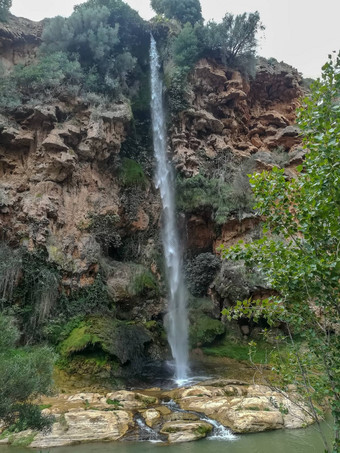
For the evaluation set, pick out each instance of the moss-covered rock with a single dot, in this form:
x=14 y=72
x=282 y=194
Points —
x=106 y=341
x=204 y=330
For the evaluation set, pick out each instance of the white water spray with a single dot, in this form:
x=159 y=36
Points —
x=178 y=318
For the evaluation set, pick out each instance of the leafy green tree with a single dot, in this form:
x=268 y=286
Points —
x=91 y=34
x=25 y=373
x=185 y=47
x=234 y=37
x=5 y=6
x=299 y=252
x=50 y=75
x=184 y=11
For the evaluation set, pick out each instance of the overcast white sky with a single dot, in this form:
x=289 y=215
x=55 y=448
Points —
x=299 y=32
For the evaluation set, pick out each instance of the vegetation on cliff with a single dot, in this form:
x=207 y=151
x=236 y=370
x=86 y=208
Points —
x=5 y=6
x=25 y=373
x=299 y=252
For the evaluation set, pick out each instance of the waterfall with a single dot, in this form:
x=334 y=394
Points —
x=177 y=325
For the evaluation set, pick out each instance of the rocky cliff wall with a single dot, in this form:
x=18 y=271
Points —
x=76 y=185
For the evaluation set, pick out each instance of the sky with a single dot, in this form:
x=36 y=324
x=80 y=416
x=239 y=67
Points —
x=300 y=32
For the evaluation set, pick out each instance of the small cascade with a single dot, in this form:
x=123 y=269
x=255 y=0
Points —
x=177 y=325
x=219 y=432
x=147 y=434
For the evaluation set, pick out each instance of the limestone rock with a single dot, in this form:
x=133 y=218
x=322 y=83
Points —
x=179 y=431
x=151 y=417
x=85 y=426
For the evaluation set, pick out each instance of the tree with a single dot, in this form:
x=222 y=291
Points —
x=184 y=11
x=91 y=34
x=5 y=6
x=299 y=252
x=185 y=47
x=25 y=373
x=234 y=37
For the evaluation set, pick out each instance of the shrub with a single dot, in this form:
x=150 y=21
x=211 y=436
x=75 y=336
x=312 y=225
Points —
x=25 y=373
x=185 y=47
x=184 y=11
x=104 y=34
x=131 y=174
x=51 y=75
x=200 y=272
x=144 y=284
x=204 y=330
x=10 y=268
x=5 y=6
x=104 y=228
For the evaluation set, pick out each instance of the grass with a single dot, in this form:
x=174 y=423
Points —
x=239 y=351
x=131 y=174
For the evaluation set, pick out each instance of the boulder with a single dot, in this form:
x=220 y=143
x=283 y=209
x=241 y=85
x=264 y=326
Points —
x=85 y=426
x=179 y=431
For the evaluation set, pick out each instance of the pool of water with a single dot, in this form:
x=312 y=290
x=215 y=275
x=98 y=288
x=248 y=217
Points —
x=282 y=441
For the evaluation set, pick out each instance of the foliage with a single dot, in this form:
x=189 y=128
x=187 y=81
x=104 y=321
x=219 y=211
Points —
x=10 y=268
x=302 y=263
x=122 y=340
x=203 y=330
x=107 y=37
x=37 y=292
x=238 y=351
x=201 y=192
x=184 y=11
x=5 y=6
x=78 y=340
x=131 y=174
x=104 y=228
x=144 y=284
x=200 y=272
x=25 y=373
x=186 y=48
x=234 y=38
x=51 y=74
x=176 y=90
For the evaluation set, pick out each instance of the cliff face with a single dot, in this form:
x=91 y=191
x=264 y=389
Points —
x=19 y=41
x=69 y=186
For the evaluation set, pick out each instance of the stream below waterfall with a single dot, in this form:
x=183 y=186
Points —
x=281 y=441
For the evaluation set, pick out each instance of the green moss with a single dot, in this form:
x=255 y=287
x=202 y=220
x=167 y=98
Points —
x=78 y=340
x=22 y=441
x=143 y=284
x=238 y=351
x=204 y=330
x=146 y=399
x=203 y=430
x=131 y=174
x=117 y=404
x=44 y=406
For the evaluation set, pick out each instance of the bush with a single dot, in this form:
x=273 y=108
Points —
x=184 y=11
x=131 y=174
x=5 y=6
x=108 y=37
x=200 y=192
x=51 y=75
x=204 y=330
x=25 y=373
x=200 y=272
x=104 y=228
x=186 y=48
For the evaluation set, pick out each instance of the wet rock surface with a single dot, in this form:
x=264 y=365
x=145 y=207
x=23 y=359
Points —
x=186 y=414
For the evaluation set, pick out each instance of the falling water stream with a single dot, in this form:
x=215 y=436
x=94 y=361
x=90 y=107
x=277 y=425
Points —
x=177 y=323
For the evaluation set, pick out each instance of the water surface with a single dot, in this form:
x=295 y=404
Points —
x=281 y=441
